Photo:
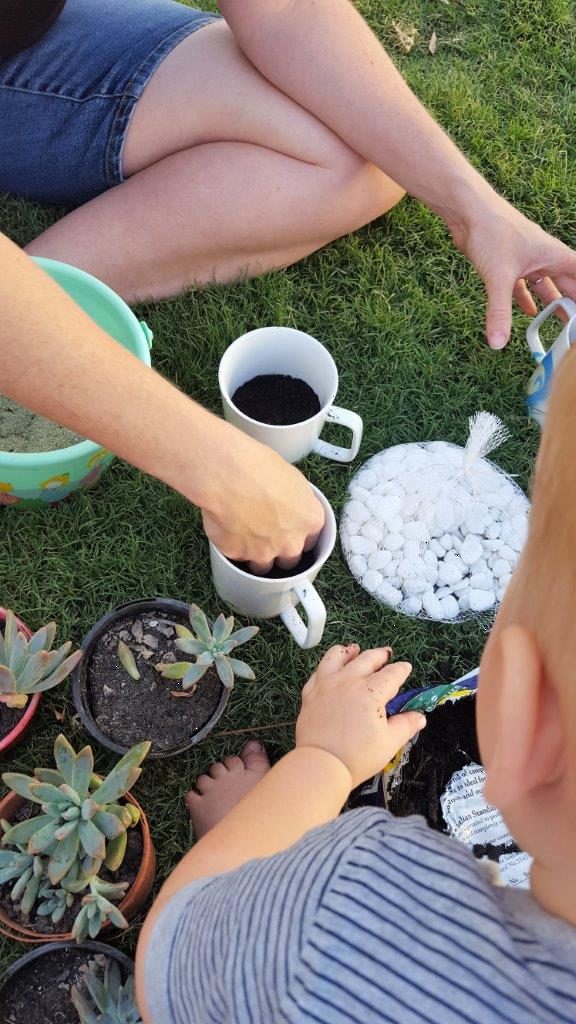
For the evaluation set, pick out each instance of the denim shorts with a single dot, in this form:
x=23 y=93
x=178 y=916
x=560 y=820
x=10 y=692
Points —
x=66 y=102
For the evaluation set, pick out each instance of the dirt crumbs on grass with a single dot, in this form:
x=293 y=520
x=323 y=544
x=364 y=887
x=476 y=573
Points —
x=129 y=711
x=277 y=399
x=40 y=994
x=24 y=431
x=43 y=925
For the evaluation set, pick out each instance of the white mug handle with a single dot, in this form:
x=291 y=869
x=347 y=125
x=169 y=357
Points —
x=347 y=419
x=532 y=334
x=306 y=635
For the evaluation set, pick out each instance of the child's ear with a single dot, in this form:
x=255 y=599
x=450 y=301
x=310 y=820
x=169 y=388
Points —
x=528 y=740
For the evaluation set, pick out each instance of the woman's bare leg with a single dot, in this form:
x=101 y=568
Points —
x=226 y=176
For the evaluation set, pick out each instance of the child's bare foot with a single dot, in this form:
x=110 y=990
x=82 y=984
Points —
x=224 y=786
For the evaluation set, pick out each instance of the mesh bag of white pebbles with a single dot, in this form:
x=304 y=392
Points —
x=434 y=530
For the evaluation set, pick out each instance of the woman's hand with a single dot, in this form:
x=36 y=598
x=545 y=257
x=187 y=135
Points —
x=259 y=508
x=511 y=253
x=344 y=710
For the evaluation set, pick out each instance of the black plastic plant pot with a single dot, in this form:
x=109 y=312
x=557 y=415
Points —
x=18 y=981
x=183 y=722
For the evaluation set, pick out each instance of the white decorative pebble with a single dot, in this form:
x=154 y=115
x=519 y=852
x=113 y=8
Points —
x=443 y=592
x=416 y=530
x=437 y=548
x=359 y=494
x=461 y=586
x=372 y=580
x=390 y=595
x=450 y=607
x=464 y=601
x=367 y=478
x=357 y=512
x=501 y=567
x=373 y=530
x=448 y=574
x=412 y=606
x=471 y=550
x=411 y=504
x=412 y=549
x=389 y=506
x=415 y=585
x=362 y=545
x=432 y=605
x=431 y=574
x=393 y=541
x=395 y=524
x=481 y=600
x=507 y=552
x=430 y=558
x=474 y=523
x=446 y=541
x=493 y=531
x=379 y=559
x=391 y=569
x=480 y=566
x=358 y=565
x=482 y=581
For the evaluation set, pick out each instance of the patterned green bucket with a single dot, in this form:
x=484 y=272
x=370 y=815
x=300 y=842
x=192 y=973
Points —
x=48 y=477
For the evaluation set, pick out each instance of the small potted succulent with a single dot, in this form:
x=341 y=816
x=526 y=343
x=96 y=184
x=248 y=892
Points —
x=61 y=981
x=76 y=851
x=132 y=682
x=28 y=667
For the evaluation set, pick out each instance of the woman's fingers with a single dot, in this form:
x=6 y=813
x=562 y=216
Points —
x=524 y=298
x=389 y=679
x=369 y=662
x=337 y=658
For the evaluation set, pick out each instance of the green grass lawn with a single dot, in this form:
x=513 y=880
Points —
x=403 y=315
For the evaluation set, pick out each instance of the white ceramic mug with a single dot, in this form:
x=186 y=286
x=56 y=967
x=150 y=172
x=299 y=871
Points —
x=262 y=598
x=283 y=350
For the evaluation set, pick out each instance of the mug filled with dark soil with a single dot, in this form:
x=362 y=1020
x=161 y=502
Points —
x=279 y=385
x=38 y=987
x=277 y=399
x=120 y=711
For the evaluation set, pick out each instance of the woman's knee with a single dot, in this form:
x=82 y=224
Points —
x=358 y=191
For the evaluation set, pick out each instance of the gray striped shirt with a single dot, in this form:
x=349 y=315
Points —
x=369 y=919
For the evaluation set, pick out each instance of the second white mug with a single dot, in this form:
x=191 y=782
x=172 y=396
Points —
x=284 y=350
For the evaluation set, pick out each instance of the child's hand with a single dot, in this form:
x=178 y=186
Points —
x=343 y=710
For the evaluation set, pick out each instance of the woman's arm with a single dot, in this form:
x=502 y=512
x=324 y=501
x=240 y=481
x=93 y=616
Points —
x=56 y=361
x=323 y=54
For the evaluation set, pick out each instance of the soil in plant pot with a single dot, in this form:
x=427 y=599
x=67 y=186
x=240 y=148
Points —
x=24 y=431
x=277 y=399
x=43 y=925
x=445 y=746
x=129 y=711
x=307 y=560
x=40 y=993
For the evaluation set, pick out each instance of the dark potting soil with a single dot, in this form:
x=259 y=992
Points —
x=9 y=718
x=307 y=560
x=43 y=925
x=277 y=399
x=40 y=993
x=129 y=711
x=445 y=746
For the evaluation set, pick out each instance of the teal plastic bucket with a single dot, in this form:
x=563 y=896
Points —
x=48 y=477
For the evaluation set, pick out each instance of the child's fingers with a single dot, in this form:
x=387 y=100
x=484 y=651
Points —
x=337 y=658
x=402 y=728
x=390 y=678
x=369 y=662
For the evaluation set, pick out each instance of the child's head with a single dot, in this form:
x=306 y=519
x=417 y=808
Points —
x=527 y=694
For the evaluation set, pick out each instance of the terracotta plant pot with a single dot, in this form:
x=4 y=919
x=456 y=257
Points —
x=131 y=904
x=24 y=963
x=12 y=738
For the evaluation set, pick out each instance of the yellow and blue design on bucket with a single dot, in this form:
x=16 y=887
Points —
x=48 y=477
x=540 y=385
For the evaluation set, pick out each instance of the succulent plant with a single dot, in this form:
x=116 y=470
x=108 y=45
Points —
x=128 y=661
x=27 y=872
x=31 y=666
x=212 y=644
x=111 y=1002
x=97 y=907
x=82 y=825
